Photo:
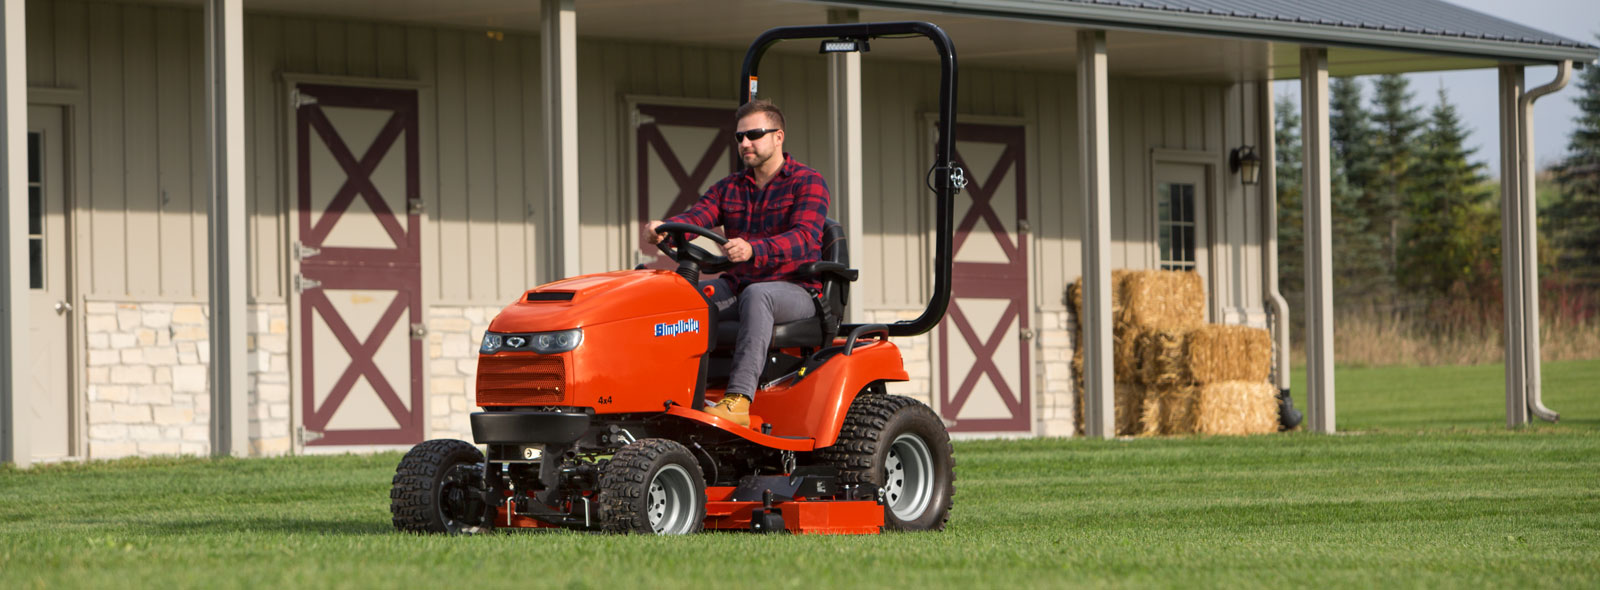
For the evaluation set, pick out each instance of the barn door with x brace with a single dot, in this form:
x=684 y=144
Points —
x=680 y=152
x=984 y=381
x=357 y=201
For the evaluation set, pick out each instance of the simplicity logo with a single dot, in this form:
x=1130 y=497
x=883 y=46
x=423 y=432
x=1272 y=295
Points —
x=678 y=327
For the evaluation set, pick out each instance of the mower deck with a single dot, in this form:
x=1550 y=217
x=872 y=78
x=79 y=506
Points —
x=822 y=517
x=800 y=516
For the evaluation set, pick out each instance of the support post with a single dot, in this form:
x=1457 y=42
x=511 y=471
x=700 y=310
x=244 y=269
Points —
x=1511 y=243
x=1318 y=204
x=16 y=396
x=225 y=226
x=844 y=110
x=1095 y=166
x=558 y=36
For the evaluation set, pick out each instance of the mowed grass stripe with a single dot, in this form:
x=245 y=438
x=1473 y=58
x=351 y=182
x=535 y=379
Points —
x=1444 y=510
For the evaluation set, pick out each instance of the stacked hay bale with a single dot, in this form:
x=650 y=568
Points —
x=1142 y=301
x=1209 y=380
x=1174 y=374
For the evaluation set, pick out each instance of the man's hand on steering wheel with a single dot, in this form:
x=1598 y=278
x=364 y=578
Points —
x=738 y=250
x=678 y=248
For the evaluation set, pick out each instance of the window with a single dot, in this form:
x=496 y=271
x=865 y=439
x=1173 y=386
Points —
x=1175 y=222
x=35 y=212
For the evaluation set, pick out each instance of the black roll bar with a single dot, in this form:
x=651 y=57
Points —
x=943 y=171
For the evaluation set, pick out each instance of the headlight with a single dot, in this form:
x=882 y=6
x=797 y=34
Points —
x=540 y=342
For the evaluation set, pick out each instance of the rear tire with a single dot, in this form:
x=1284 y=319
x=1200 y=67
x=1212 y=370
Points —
x=652 y=486
x=435 y=489
x=901 y=446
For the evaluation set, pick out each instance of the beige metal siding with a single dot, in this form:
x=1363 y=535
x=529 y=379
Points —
x=142 y=202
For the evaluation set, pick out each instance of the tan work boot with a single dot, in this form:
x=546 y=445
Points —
x=734 y=406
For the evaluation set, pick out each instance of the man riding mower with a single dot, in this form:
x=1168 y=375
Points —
x=594 y=388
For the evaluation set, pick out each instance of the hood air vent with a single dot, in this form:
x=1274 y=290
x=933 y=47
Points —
x=550 y=296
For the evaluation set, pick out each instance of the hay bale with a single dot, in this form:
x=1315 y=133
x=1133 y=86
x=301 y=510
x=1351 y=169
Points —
x=1167 y=299
x=1075 y=295
x=1125 y=355
x=1124 y=342
x=1169 y=410
x=1236 y=407
x=1229 y=353
x=1129 y=399
x=1150 y=416
x=1164 y=358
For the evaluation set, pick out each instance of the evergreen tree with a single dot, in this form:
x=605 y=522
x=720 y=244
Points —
x=1358 y=256
x=1575 y=217
x=1291 y=216
x=1451 y=223
x=1396 y=123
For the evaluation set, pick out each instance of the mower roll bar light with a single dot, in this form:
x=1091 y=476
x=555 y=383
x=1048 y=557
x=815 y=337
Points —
x=943 y=181
x=845 y=46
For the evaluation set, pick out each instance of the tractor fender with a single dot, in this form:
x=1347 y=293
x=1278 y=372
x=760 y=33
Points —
x=815 y=406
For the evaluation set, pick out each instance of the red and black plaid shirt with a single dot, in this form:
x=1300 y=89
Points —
x=782 y=221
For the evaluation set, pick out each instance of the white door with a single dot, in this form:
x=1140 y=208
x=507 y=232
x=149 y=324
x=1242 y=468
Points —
x=1180 y=201
x=49 y=305
x=359 y=282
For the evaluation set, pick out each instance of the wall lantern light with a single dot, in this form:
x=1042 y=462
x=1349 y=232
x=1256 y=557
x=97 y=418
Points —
x=1245 y=161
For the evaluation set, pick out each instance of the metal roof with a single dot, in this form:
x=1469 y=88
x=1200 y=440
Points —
x=1414 y=25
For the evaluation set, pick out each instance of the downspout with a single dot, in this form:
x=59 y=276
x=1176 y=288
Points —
x=1530 y=251
x=1277 y=308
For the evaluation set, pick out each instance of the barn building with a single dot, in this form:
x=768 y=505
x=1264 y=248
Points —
x=259 y=227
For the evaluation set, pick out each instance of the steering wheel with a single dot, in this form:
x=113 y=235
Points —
x=692 y=258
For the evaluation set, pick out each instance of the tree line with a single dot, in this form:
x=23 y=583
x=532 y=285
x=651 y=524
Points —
x=1416 y=219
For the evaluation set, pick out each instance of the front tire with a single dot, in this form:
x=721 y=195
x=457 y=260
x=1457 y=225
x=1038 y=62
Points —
x=653 y=486
x=437 y=488
x=901 y=446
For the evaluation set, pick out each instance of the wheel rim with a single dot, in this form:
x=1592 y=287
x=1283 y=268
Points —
x=671 y=508
x=908 y=477
x=455 y=503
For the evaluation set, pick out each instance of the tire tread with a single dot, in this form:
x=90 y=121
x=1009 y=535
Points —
x=412 y=501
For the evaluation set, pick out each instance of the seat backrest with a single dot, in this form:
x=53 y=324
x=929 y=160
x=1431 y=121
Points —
x=835 y=248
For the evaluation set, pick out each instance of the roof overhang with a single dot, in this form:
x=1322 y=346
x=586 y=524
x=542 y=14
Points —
x=1141 y=19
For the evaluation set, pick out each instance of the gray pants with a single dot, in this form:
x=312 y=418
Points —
x=761 y=306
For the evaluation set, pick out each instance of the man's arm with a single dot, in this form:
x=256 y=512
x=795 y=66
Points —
x=802 y=240
x=705 y=212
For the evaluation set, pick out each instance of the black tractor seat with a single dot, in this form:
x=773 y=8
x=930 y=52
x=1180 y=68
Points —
x=817 y=331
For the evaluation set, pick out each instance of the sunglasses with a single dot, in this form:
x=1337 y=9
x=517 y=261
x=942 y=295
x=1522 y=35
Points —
x=753 y=134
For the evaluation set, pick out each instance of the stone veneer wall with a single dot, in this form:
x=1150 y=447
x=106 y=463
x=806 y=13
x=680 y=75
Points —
x=454 y=333
x=1053 y=351
x=271 y=423
x=147 y=384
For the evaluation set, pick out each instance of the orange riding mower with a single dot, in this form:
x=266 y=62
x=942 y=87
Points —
x=591 y=389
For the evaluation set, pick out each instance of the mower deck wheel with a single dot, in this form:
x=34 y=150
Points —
x=652 y=486
x=434 y=492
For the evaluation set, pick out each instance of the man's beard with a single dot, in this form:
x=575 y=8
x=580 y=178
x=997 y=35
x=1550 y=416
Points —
x=758 y=159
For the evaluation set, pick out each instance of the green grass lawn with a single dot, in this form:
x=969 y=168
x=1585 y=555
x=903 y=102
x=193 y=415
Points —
x=1464 y=504
x=1412 y=399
